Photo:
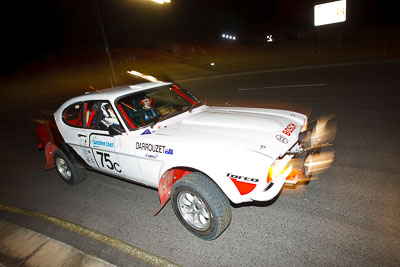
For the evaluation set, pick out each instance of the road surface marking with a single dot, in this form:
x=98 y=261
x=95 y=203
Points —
x=108 y=240
x=284 y=69
x=282 y=86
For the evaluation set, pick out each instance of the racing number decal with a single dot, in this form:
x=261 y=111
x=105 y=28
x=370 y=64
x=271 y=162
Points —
x=105 y=157
x=107 y=161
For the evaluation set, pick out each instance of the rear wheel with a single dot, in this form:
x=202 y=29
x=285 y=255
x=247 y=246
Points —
x=70 y=171
x=201 y=206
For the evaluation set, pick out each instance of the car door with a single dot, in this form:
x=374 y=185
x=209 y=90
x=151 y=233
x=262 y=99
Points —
x=85 y=127
x=125 y=149
x=97 y=146
x=73 y=128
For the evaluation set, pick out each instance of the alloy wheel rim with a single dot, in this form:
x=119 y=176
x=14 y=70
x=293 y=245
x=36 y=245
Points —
x=63 y=169
x=194 y=211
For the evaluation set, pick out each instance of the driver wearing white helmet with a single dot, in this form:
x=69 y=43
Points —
x=109 y=117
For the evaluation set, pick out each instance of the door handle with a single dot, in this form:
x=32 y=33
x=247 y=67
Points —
x=81 y=135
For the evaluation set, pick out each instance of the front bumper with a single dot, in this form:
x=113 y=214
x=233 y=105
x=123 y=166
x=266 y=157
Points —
x=312 y=154
x=273 y=188
x=296 y=166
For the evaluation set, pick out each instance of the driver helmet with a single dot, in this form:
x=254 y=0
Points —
x=107 y=110
x=109 y=117
x=147 y=102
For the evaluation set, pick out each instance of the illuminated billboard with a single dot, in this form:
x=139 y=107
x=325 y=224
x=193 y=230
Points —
x=329 y=13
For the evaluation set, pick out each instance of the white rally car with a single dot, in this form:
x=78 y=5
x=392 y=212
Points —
x=201 y=157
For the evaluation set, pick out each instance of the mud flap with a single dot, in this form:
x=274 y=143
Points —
x=165 y=185
x=48 y=152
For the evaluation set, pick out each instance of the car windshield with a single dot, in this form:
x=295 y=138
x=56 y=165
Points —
x=148 y=107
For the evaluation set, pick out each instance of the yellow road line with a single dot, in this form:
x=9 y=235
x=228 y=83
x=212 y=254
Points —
x=108 y=240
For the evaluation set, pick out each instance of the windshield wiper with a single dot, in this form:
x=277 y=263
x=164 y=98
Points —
x=174 y=113
x=162 y=118
x=195 y=105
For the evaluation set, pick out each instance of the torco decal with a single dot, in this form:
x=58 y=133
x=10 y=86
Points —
x=244 y=178
x=244 y=184
x=289 y=129
x=154 y=148
x=281 y=139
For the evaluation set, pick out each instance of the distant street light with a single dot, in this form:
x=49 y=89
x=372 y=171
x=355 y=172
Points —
x=227 y=36
x=162 y=1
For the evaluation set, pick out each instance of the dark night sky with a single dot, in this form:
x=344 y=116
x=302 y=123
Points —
x=34 y=28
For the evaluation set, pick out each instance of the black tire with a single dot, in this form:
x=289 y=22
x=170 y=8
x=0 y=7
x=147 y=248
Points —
x=68 y=168
x=210 y=201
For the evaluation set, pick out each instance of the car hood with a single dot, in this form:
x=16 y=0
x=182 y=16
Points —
x=250 y=128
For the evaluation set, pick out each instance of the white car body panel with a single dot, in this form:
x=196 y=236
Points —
x=231 y=145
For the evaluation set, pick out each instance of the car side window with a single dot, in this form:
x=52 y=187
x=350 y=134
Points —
x=99 y=115
x=72 y=115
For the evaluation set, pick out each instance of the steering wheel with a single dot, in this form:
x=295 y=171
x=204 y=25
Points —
x=139 y=116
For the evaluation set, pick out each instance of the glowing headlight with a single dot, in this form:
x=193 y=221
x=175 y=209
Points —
x=279 y=167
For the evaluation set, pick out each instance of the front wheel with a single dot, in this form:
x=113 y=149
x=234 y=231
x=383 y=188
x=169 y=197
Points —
x=201 y=206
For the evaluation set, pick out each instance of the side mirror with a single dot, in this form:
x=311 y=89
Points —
x=114 y=130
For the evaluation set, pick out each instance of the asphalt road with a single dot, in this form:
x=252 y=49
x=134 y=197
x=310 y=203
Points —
x=347 y=216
